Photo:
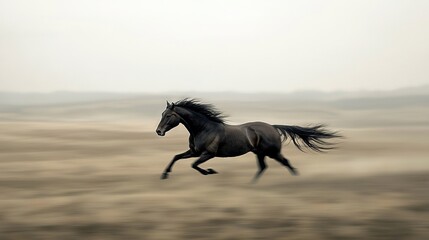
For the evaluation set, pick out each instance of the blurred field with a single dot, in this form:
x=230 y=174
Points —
x=90 y=170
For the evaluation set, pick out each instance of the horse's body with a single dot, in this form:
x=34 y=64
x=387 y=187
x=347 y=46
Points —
x=211 y=137
x=254 y=136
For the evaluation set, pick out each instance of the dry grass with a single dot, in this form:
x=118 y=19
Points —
x=100 y=180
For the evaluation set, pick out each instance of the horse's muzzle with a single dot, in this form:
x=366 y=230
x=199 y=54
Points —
x=160 y=133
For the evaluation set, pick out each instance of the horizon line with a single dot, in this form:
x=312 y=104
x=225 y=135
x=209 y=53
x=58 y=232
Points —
x=216 y=92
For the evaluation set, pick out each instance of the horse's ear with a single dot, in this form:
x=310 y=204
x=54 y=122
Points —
x=170 y=105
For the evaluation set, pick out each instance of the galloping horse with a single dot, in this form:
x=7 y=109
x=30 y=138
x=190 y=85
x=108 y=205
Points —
x=211 y=137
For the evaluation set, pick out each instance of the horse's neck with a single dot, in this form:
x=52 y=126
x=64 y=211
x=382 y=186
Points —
x=194 y=122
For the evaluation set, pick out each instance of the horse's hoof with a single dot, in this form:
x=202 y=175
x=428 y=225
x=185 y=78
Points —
x=294 y=172
x=164 y=176
x=211 y=171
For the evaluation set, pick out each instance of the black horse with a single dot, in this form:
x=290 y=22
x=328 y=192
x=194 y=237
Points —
x=211 y=137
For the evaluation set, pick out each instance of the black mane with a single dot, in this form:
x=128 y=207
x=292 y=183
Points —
x=207 y=110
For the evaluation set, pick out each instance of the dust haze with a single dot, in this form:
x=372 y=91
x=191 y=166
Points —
x=87 y=166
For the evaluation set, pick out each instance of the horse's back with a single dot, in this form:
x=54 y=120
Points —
x=262 y=128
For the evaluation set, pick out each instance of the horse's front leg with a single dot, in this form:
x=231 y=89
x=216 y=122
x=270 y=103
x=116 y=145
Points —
x=203 y=158
x=187 y=154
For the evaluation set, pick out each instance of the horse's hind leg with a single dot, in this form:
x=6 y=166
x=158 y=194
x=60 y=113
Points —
x=279 y=158
x=262 y=166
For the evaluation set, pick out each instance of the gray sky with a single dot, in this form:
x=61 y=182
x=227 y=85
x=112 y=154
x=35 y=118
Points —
x=155 y=46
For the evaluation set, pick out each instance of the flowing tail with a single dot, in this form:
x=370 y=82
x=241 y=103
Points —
x=311 y=137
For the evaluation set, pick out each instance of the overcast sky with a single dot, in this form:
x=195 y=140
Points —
x=156 y=46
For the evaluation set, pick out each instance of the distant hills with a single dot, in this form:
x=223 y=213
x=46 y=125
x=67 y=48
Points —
x=352 y=98
x=403 y=107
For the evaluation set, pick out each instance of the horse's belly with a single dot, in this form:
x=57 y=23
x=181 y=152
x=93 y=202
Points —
x=233 y=147
x=232 y=152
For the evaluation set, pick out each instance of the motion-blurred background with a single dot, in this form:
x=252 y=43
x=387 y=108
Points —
x=83 y=85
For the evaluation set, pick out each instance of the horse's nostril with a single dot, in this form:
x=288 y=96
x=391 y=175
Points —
x=160 y=132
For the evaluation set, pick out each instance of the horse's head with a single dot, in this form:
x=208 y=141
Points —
x=169 y=119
